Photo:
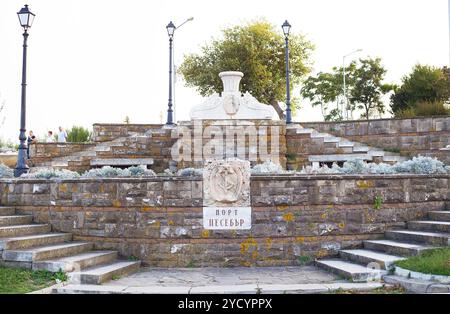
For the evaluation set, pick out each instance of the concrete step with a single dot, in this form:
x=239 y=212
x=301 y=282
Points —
x=28 y=241
x=338 y=157
x=319 y=135
x=59 y=164
x=76 y=262
x=376 y=153
x=22 y=230
x=360 y=149
x=346 y=144
x=432 y=238
x=439 y=215
x=396 y=247
x=366 y=257
x=351 y=271
x=331 y=139
x=435 y=226
x=305 y=131
x=7 y=211
x=46 y=252
x=394 y=158
x=100 y=274
x=16 y=220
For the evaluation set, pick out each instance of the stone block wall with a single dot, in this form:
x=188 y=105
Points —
x=301 y=146
x=410 y=137
x=103 y=132
x=42 y=152
x=158 y=141
x=157 y=145
x=159 y=220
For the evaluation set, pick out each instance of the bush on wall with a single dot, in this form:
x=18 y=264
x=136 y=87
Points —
x=6 y=172
x=417 y=165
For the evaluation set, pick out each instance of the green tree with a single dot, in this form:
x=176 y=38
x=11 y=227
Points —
x=127 y=120
x=257 y=50
x=366 y=87
x=425 y=84
x=323 y=90
x=78 y=134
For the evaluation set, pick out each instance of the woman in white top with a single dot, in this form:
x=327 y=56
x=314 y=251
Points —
x=50 y=138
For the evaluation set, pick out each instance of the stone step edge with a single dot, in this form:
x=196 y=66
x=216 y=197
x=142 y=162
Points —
x=219 y=289
x=101 y=273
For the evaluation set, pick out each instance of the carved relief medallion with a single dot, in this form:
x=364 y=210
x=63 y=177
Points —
x=226 y=183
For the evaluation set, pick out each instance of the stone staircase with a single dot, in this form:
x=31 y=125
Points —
x=349 y=150
x=377 y=257
x=33 y=246
x=137 y=148
x=83 y=160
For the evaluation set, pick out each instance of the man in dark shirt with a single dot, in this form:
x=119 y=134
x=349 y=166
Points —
x=31 y=139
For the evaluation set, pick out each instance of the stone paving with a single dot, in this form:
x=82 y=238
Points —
x=239 y=280
x=195 y=277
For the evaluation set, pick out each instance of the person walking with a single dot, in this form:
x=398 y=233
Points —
x=62 y=135
x=30 y=140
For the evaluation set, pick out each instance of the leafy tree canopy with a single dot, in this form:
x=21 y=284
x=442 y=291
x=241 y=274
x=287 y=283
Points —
x=365 y=89
x=257 y=50
x=424 y=84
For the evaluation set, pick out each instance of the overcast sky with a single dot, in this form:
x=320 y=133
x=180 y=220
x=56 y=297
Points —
x=100 y=61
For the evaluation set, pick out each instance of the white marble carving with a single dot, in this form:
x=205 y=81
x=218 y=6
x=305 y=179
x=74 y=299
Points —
x=226 y=183
x=232 y=104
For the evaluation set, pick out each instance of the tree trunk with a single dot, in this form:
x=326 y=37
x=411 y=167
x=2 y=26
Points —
x=278 y=109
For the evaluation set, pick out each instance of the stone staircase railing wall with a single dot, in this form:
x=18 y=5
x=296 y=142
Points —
x=126 y=141
x=410 y=137
x=159 y=220
x=43 y=152
x=103 y=132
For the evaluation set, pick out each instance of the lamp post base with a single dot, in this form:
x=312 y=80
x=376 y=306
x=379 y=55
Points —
x=21 y=166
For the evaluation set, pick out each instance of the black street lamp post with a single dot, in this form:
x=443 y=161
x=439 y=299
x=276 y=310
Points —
x=26 y=20
x=170 y=31
x=286 y=28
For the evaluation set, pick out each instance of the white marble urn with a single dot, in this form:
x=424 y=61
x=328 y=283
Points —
x=231 y=104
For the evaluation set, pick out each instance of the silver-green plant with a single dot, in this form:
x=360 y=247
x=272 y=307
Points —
x=190 y=172
x=268 y=167
x=5 y=171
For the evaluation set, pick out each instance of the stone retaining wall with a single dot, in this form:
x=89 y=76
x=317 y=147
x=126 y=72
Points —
x=410 y=137
x=159 y=220
x=158 y=142
x=103 y=132
x=42 y=152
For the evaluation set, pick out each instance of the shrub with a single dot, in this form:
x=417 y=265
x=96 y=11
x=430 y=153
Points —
x=418 y=165
x=141 y=171
x=421 y=164
x=51 y=174
x=78 y=134
x=355 y=166
x=425 y=109
x=8 y=146
x=321 y=170
x=111 y=172
x=190 y=172
x=267 y=167
x=6 y=172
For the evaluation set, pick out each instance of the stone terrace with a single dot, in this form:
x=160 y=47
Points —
x=159 y=220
